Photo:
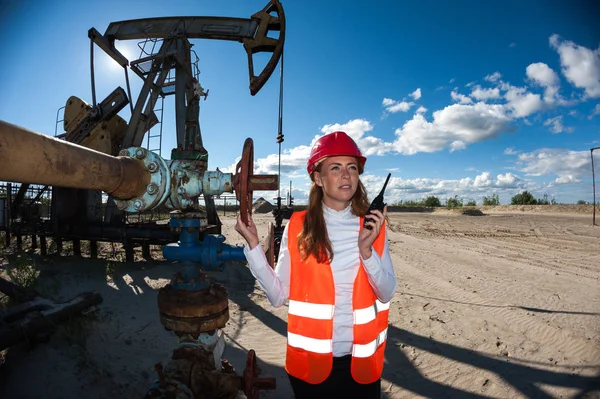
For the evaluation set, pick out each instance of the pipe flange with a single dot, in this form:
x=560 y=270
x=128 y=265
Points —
x=185 y=185
x=157 y=190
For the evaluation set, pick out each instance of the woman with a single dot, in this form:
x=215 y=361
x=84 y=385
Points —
x=337 y=276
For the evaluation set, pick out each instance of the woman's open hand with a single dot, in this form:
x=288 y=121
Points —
x=366 y=236
x=248 y=231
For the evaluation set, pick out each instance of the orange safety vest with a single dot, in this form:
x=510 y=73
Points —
x=310 y=317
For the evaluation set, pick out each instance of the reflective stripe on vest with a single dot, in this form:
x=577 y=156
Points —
x=310 y=317
x=366 y=315
x=370 y=348
x=310 y=344
x=312 y=310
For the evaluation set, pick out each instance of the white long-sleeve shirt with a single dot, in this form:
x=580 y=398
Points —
x=343 y=228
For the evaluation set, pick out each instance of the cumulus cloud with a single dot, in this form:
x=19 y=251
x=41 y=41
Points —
x=566 y=165
x=416 y=94
x=542 y=75
x=494 y=77
x=482 y=94
x=580 y=65
x=421 y=110
x=521 y=102
x=461 y=98
x=510 y=151
x=454 y=126
x=356 y=128
x=556 y=125
x=293 y=160
x=595 y=111
x=483 y=180
x=507 y=180
x=393 y=106
x=467 y=187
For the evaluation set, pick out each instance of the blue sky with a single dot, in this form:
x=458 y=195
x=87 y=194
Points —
x=464 y=98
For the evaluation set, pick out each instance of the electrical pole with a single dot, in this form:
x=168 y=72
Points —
x=594 y=186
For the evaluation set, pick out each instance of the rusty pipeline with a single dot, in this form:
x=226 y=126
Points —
x=30 y=157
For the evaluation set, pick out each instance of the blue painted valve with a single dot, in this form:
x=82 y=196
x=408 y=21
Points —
x=210 y=254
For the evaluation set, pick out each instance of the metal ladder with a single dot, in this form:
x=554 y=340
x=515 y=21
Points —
x=157 y=142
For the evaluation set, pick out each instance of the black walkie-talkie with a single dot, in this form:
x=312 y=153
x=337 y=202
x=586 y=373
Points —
x=377 y=203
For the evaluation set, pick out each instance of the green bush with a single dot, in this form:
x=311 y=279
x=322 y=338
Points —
x=582 y=202
x=491 y=201
x=452 y=203
x=471 y=203
x=524 y=198
x=432 y=201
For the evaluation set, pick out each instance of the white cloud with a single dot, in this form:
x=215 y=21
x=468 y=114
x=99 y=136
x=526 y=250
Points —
x=566 y=165
x=466 y=124
x=482 y=180
x=356 y=128
x=580 y=65
x=402 y=106
x=452 y=80
x=457 y=145
x=416 y=94
x=461 y=98
x=542 y=74
x=421 y=110
x=293 y=160
x=507 y=180
x=481 y=94
x=393 y=106
x=566 y=179
x=522 y=102
x=557 y=126
x=494 y=77
x=510 y=151
x=595 y=112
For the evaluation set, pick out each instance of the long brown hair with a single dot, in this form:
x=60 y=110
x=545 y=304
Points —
x=313 y=239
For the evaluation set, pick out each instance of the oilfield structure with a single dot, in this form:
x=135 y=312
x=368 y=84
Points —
x=96 y=181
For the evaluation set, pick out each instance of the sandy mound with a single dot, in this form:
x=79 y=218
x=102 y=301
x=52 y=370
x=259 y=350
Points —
x=472 y=212
x=261 y=205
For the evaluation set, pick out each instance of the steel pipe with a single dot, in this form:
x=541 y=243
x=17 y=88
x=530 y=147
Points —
x=30 y=157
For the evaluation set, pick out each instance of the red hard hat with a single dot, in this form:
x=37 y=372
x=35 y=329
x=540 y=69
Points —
x=331 y=145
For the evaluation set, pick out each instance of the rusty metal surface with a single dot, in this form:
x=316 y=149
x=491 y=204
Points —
x=245 y=182
x=30 y=157
x=193 y=312
x=251 y=383
x=192 y=375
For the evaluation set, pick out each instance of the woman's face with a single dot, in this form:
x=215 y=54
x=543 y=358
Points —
x=338 y=177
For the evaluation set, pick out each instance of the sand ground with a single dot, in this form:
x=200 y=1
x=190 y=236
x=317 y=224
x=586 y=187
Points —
x=505 y=305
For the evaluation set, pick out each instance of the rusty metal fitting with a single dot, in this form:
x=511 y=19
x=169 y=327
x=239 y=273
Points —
x=140 y=153
x=152 y=188
x=153 y=167
x=251 y=383
x=157 y=189
x=193 y=312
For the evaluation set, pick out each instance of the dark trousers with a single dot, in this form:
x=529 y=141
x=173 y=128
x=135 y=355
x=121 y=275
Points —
x=339 y=384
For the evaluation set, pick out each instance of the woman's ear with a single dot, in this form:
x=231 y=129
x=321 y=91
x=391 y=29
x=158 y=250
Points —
x=317 y=177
